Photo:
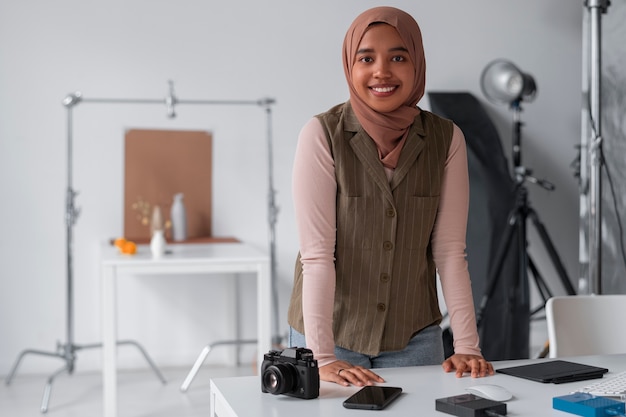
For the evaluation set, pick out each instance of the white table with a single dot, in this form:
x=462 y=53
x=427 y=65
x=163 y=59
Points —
x=210 y=258
x=421 y=387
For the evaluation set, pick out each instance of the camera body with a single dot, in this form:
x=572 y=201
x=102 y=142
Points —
x=292 y=372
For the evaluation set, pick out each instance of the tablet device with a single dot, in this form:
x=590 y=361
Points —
x=556 y=372
x=372 y=397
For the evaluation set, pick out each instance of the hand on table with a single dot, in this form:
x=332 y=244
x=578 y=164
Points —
x=476 y=365
x=344 y=373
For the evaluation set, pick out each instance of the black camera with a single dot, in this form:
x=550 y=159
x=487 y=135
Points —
x=292 y=371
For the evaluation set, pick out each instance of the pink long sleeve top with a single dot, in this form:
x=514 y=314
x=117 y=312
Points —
x=314 y=194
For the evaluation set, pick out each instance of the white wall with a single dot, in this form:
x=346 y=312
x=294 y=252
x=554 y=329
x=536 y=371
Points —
x=223 y=50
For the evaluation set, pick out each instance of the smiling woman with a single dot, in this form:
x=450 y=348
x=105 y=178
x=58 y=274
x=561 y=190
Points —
x=381 y=197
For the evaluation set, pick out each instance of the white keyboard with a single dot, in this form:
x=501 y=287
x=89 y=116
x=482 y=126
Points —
x=613 y=386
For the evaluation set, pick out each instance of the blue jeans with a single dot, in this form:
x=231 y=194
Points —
x=425 y=348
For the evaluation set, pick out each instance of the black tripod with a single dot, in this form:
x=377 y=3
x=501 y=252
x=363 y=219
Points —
x=517 y=227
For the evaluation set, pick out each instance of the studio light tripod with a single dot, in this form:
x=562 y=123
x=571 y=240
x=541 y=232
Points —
x=516 y=228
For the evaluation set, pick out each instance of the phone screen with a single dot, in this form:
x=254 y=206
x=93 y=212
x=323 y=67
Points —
x=372 y=397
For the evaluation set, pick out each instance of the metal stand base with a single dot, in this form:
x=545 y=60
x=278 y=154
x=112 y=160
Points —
x=67 y=353
x=203 y=355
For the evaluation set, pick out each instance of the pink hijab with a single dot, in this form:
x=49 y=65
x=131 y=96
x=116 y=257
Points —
x=389 y=130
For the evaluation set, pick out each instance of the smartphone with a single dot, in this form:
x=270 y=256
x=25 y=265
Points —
x=372 y=397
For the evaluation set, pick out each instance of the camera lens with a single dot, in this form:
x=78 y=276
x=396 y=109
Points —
x=279 y=378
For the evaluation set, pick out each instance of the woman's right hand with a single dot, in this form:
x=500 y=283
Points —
x=344 y=373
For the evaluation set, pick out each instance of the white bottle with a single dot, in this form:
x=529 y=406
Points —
x=179 y=218
x=157 y=243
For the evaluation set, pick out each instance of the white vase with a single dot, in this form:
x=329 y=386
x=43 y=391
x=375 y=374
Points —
x=157 y=244
x=179 y=218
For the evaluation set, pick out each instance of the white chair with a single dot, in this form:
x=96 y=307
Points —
x=586 y=325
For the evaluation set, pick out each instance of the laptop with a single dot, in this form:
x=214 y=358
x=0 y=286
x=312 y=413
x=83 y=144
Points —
x=556 y=371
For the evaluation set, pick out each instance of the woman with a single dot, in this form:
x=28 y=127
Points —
x=381 y=196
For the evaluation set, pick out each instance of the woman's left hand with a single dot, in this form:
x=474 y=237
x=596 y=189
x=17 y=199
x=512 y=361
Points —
x=476 y=365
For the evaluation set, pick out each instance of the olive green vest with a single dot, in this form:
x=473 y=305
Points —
x=385 y=275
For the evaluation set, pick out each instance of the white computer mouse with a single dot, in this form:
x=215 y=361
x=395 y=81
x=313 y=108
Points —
x=491 y=392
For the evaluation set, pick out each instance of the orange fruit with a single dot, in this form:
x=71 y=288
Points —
x=119 y=242
x=129 y=248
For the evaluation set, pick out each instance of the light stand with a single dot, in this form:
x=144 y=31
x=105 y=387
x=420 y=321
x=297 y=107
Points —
x=502 y=82
x=591 y=157
x=67 y=351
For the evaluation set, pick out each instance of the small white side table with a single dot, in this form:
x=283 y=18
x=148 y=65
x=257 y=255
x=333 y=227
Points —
x=196 y=258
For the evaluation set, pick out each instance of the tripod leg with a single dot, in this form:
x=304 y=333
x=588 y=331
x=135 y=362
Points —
x=518 y=291
x=196 y=367
x=497 y=266
x=541 y=285
x=145 y=355
x=554 y=257
x=46 y=391
x=203 y=355
x=22 y=354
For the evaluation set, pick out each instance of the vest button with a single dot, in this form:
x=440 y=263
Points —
x=381 y=307
x=387 y=245
x=384 y=277
x=391 y=212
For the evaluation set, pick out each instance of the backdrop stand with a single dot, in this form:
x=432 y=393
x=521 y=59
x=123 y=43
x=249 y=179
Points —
x=67 y=351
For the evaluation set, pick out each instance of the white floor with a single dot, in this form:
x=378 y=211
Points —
x=140 y=393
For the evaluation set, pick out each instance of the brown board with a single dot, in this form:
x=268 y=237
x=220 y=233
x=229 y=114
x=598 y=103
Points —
x=158 y=165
